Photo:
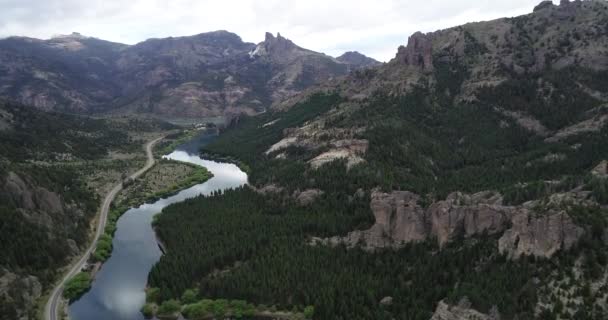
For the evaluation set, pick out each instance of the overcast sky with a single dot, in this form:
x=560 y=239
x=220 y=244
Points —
x=373 y=27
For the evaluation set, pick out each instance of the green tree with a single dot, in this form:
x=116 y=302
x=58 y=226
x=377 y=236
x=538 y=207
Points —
x=189 y=296
x=309 y=312
x=169 y=307
x=77 y=286
x=148 y=310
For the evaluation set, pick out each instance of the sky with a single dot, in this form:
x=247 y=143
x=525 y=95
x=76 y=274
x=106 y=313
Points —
x=373 y=27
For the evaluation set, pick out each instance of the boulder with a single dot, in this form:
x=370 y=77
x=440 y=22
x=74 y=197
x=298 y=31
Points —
x=386 y=301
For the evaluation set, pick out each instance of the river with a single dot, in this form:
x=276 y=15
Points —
x=118 y=290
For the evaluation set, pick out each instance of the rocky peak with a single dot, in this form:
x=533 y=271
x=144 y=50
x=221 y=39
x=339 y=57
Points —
x=543 y=5
x=277 y=48
x=418 y=52
x=356 y=60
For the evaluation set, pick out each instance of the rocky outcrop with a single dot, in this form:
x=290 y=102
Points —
x=594 y=124
x=400 y=219
x=351 y=150
x=29 y=197
x=386 y=301
x=526 y=121
x=539 y=236
x=20 y=294
x=467 y=215
x=307 y=197
x=543 y=5
x=462 y=311
x=601 y=170
x=418 y=52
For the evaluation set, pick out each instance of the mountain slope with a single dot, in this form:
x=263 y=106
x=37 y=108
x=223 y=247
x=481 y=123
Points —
x=52 y=168
x=356 y=60
x=209 y=74
x=69 y=73
x=470 y=171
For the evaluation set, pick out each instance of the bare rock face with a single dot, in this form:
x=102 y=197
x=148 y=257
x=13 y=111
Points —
x=386 y=301
x=269 y=189
x=601 y=170
x=450 y=220
x=29 y=197
x=21 y=290
x=418 y=53
x=400 y=220
x=307 y=197
x=399 y=217
x=540 y=236
x=460 y=312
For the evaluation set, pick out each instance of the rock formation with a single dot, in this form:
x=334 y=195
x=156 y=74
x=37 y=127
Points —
x=418 y=52
x=36 y=205
x=307 y=197
x=462 y=311
x=399 y=219
x=601 y=170
x=18 y=290
x=543 y=5
x=539 y=236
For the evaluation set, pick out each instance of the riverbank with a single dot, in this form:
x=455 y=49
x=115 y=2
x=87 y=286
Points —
x=224 y=158
x=166 y=178
x=215 y=309
x=54 y=302
x=118 y=290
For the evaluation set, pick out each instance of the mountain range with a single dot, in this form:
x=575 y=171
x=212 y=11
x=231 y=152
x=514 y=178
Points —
x=210 y=74
x=467 y=178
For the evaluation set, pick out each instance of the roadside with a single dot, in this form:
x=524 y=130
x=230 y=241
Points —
x=54 y=301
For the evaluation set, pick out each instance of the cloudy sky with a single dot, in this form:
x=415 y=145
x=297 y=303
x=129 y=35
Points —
x=373 y=27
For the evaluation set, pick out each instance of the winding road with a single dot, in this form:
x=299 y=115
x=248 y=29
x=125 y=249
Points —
x=51 y=307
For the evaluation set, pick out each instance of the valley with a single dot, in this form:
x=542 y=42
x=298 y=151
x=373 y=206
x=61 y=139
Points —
x=464 y=179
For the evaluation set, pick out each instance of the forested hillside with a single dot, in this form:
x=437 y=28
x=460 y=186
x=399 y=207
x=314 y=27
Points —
x=504 y=163
x=46 y=198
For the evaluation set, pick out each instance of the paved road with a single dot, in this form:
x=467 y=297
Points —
x=50 y=309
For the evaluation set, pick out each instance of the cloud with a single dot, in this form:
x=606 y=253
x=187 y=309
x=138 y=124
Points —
x=374 y=27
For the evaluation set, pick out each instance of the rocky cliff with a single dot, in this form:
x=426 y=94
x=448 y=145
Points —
x=400 y=219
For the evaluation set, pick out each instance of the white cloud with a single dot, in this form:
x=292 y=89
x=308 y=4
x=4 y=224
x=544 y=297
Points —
x=375 y=27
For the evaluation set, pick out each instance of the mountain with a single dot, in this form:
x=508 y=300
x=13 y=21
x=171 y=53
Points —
x=209 y=74
x=68 y=73
x=464 y=179
x=356 y=60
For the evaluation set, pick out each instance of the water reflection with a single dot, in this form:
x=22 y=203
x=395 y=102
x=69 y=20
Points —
x=118 y=290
